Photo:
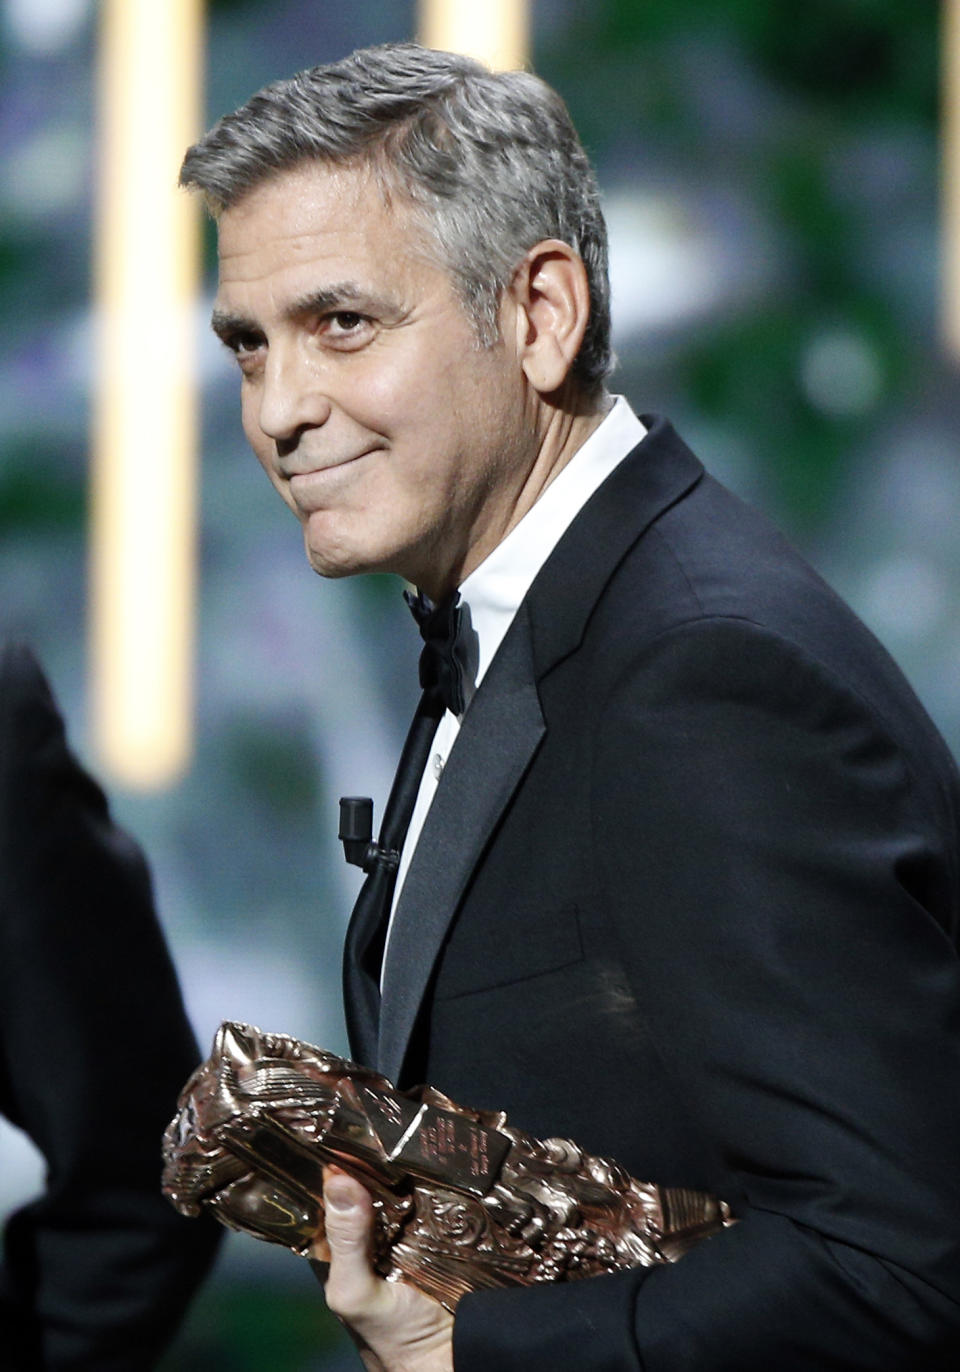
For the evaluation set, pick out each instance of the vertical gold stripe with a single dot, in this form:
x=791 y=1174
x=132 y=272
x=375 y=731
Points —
x=497 y=32
x=144 y=414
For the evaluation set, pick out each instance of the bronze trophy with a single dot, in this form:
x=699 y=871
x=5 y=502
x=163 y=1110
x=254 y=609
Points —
x=463 y=1202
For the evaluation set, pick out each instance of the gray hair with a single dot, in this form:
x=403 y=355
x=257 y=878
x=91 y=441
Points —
x=490 y=160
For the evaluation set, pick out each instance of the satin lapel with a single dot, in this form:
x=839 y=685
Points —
x=363 y=945
x=499 y=736
x=361 y=993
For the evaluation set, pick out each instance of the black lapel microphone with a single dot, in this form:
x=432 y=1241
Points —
x=356 y=835
x=442 y=675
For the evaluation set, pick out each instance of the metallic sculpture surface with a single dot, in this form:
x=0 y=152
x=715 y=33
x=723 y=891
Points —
x=463 y=1200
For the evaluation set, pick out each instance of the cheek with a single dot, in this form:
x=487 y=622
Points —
x=261 y=445
x=385 y=400
x=251 y=428
x=418 y=388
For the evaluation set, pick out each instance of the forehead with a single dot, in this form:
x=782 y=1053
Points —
x=315 y=219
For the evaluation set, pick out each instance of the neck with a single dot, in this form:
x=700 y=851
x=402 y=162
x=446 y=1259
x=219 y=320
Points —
x=561 y=423
x=565 y=423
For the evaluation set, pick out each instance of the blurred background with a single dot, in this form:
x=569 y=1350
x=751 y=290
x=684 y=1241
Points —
x=771 y=186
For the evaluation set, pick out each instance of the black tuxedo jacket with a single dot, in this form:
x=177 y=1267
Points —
x=94 y=1047
x=688 y=893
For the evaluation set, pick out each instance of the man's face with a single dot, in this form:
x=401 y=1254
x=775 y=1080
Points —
x=399 y=443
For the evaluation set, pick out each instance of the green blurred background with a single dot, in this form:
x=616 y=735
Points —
x=770 y=176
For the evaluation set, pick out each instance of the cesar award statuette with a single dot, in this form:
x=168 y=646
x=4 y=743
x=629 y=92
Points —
x=462 y=1200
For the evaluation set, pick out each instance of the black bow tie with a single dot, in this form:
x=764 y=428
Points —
x=442 y=661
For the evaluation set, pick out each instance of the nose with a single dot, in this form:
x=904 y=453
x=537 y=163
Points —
x=292 y=398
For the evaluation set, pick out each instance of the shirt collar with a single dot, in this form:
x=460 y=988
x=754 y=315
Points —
x=492 y=593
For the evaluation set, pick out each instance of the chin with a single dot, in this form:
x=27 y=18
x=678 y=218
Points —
x=330 y=568
x=334 y=563
x=333 y=555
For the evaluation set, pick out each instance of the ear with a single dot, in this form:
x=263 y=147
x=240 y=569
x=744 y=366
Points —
x=552 y=299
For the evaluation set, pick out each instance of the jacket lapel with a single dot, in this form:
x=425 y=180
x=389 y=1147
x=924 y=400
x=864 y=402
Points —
x=499 y=736
x=504 y=724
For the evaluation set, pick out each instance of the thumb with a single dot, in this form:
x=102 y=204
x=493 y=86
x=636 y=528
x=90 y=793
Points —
x=349 y=1223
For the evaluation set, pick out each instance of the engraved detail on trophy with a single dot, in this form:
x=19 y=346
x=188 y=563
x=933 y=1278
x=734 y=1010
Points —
x=463 y=1201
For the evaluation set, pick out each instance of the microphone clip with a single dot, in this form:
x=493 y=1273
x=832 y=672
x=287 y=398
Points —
x=356 y=835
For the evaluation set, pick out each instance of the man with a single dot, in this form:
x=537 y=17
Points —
x=681 y=876
x=94 y=1045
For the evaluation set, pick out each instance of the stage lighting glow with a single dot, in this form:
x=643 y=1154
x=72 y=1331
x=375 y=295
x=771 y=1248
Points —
x=144 y=425
x=497 y=32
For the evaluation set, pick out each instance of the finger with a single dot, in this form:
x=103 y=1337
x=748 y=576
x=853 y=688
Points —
x=319 y=1250
x=352 y=1286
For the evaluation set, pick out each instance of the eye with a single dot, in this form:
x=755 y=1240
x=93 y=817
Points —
x=246 y=346
x=242 y=344
x=345 y=321
x=345 y=330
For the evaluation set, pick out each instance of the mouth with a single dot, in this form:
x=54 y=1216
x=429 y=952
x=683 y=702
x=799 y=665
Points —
x=310 y=490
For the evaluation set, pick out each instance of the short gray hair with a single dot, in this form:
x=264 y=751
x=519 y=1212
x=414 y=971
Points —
x=489 y=160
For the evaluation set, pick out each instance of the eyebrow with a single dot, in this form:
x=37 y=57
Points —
x=342 y=295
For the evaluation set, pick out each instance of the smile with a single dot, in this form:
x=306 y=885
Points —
x=312 y=488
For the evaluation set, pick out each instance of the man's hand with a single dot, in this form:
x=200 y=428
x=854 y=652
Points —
x=396 y=1327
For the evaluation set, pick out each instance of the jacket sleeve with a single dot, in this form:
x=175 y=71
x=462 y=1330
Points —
x=785 y=898
x=94 y=1046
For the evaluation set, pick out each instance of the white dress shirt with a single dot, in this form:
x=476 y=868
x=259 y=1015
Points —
x=493 y=591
